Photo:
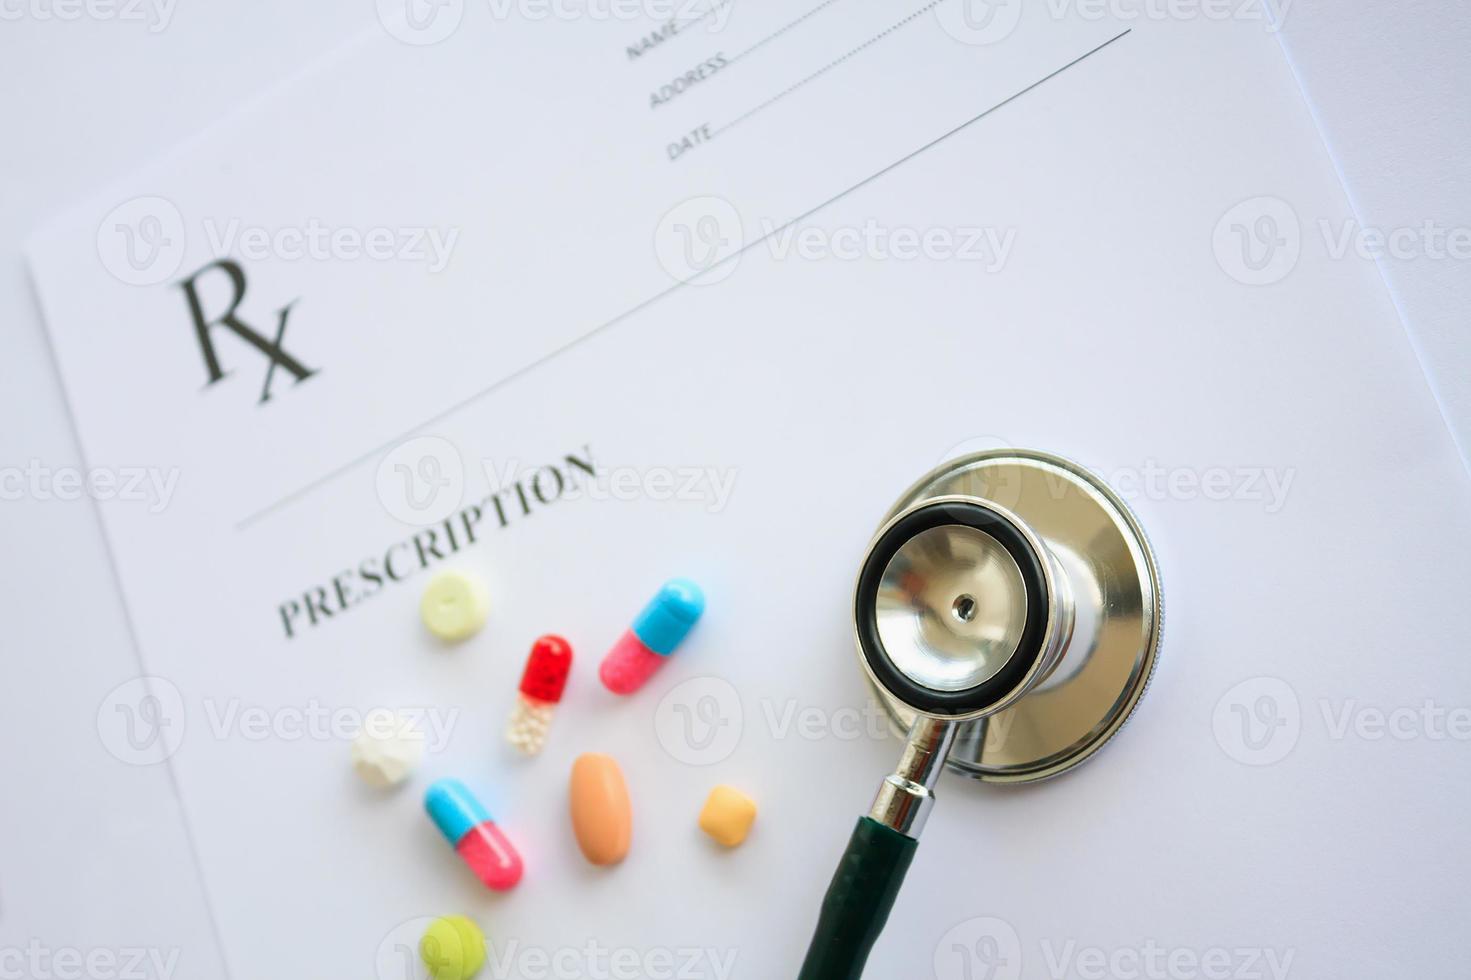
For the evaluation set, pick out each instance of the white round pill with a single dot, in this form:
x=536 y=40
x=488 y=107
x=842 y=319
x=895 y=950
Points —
x=387 y=748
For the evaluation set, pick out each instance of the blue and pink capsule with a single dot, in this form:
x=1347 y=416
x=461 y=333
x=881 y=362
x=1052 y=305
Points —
x=662 y=626
x=475 y=837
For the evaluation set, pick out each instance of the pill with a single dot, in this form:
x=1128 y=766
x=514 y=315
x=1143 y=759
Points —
x=602 y=817
x=541 y=688
x=728 y=815
x=387 y=749
x=454 y=605
x=453 y=948
x=475 y=837
x=662 y=625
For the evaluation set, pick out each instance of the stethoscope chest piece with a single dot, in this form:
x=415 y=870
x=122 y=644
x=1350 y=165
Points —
x=1007 y=614
x=1013 y=592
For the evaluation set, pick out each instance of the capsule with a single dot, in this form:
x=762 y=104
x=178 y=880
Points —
x=541 y=688
x=662 y=625
x=475 y=837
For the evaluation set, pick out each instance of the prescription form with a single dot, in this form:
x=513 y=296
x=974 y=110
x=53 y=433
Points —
x=583 y=304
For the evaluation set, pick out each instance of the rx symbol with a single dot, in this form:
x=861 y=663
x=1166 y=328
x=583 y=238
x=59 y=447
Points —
x=272 y=349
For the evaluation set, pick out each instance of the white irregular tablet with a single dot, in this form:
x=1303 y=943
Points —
x=387 y=749
x=455 y=605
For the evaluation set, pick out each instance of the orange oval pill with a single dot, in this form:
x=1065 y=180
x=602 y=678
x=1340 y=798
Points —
x=602 y=817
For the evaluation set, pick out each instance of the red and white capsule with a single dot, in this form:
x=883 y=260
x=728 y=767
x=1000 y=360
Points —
x=541 y=688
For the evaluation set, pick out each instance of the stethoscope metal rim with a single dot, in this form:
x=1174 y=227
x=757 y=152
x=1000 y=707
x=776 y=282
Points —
x=1075 y=514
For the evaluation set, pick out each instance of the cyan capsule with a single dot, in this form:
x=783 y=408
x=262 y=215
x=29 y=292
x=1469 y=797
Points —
x=662 y=626
x=473 y=834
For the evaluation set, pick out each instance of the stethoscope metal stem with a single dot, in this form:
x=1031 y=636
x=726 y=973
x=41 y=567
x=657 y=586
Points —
x=906 y=795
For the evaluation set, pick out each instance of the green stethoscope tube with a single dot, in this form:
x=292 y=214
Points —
x=858 y=901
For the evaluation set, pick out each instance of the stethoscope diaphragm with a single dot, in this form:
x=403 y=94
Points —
x=1111 y=580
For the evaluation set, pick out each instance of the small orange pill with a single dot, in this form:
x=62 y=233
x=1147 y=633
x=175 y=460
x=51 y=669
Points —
x=602 y=817
x=728 y=815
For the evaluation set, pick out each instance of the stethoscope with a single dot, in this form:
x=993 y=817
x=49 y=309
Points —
x=1008 y=617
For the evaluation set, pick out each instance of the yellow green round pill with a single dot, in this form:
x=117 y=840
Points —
x=453 y=948
x=454 y=605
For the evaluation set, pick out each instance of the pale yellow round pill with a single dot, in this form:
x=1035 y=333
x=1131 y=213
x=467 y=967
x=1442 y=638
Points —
x=455 y=605
x=728 y=815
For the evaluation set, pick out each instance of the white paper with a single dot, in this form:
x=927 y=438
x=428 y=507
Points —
x=1035 y=231
x=1387 y=92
